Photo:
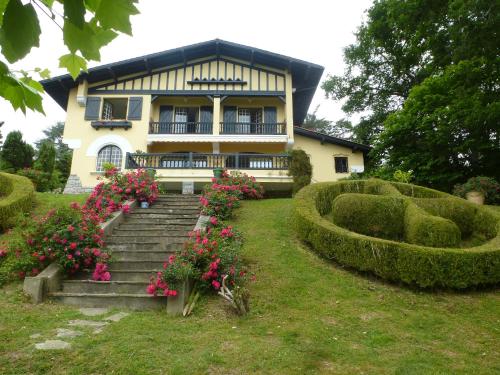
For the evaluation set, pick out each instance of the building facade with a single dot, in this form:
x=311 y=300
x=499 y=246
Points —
x=186 y=111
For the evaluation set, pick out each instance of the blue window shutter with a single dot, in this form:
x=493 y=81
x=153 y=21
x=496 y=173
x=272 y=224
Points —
x=166 y=112
x=270 y=116
x=206 y=114
x=92 y=108
x=135 y=108
x=229 y=119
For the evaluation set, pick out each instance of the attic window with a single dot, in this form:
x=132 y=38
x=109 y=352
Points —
x=114 y=109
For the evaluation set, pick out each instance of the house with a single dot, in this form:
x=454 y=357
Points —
x=186 y=111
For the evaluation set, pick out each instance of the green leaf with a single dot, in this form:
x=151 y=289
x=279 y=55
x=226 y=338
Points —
x=32 y=83
x=19 y=94
x=74 y=11
x=73 y=63
x=20 y=30
x=88 y=40
x=48 y=3
x=3 y=5
x=116 y=15
x=92 y=5
x=45 y=74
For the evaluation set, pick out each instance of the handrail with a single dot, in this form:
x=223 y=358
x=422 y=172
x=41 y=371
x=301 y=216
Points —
x=195 y=127
x=260 y=128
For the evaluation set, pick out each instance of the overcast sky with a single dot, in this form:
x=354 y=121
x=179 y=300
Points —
x=314 y=30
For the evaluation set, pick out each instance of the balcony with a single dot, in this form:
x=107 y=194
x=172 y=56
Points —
x=193 y=160
x=242 y=128
x=180 y=128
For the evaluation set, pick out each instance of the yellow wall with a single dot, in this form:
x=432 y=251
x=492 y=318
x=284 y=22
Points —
x=159 y=147
x=322 y=158
x=264 y=148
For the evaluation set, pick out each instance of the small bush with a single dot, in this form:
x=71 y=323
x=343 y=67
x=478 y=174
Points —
x=300 y=169
x=370 y=214
x=486 y=185
x=18 y=195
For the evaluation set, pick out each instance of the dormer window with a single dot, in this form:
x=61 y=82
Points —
x=114 y=109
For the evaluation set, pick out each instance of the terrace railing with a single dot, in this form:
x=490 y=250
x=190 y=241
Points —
x=180 y=128
x=193 y=160
x=277 y=128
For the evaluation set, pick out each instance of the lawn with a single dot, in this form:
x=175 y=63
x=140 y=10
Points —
x=308 y=316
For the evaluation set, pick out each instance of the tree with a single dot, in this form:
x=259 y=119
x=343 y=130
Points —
x=400 y=45
x=341 y=128
x=1 y=124
x=16 y=153
x=449 y=127
x=54 y=134
x=46 y=158
x=87 y=26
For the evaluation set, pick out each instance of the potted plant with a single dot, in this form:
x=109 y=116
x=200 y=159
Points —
x=218 y=172
x=478 y=189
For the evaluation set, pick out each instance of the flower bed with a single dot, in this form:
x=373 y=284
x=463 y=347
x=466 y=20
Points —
x=211 y=256
x=72 y=236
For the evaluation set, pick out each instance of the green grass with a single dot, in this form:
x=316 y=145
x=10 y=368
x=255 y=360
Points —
x=308 y=316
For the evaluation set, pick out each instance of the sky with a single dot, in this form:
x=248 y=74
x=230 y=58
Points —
x=316 y=31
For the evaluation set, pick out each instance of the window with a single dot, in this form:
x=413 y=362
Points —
x=341 y=165
x=185 y=120
x=250 y=115
x=114 y=109
x=109 y=154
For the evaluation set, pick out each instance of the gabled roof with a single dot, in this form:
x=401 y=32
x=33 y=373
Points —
x=305 y=75
x=329 y=139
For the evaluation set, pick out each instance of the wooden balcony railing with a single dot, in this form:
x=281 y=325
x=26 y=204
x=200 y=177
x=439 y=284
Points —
x=180 y=128
x=276 y=128
x=193 y=160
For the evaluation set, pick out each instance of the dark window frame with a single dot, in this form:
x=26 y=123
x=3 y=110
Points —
x=341 y=164
x=110 y=101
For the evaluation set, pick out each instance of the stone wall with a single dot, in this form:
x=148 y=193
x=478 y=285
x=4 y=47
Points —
x=74 y=186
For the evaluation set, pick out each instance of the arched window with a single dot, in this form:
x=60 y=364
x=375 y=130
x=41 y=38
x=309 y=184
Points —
x=109 y=154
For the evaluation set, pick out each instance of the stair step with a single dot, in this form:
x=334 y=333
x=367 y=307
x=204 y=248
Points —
x=125 y=246
x=162 y=232
x=162 y=221
x=104 y=287
x=121 y=275
x=123 y=239
x=131 y=301
x=163 y=216
x=153 y=227
x=148 y=255
x=132 y=265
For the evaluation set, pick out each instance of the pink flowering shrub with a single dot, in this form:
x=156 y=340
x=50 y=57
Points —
x=239 y=184
x=218 y=203
x=101 y=272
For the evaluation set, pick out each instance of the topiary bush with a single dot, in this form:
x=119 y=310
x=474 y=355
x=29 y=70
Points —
x=300 y=169
x=18 y=195
x=432 y=219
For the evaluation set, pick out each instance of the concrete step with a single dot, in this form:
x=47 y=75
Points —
x=168 y=247
x=167 y=210
x=133 y=265
x=155 y=227
x=130 y=301
x=163 y=216
x=177 y=197
x=150 y=255
x=104 y=287
x=120 y=275
x=160 y=221
x=143 y=240
x=120 y=232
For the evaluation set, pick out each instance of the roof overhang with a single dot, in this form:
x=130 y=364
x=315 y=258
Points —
x=305 y=75
x=325 y=138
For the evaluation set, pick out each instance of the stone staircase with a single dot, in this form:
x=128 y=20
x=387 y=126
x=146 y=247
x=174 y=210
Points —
x=139 y=246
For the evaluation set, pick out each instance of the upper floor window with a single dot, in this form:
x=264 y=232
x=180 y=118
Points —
x=186 y=114
x=114 y=109
x=109 y=154
x=250 y=115
x=341 y=165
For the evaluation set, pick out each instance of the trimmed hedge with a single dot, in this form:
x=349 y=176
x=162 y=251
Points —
x=412 y=264
x=18 y=195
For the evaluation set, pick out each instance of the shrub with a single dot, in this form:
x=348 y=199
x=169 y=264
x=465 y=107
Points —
x=402 y=176
x=486 y=185
x=18 y=196
x=239 y=184
x=300 y=169
x=370 y=214
x=423 y=266
x=43 y=181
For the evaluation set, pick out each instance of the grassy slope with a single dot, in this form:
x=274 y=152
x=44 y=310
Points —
x=308 y=316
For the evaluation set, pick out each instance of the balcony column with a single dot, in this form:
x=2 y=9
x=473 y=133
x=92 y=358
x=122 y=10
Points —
x=216 y=116
x=289 y=106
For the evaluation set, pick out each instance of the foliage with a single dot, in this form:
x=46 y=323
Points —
x=108 y=196
x=46 y=158
x=16 y=153
x=402 y=176
x=423 y=266
x=400 y=44
x=219 y=203
x=342 y=128
x=43 y=181
x=300 y=169
x=86 y=26
x=242 y=185
x=448 y=127
x=488 y=186
x=16 y=196
x=54 y=135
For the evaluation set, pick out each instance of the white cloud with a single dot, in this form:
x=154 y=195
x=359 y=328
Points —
x=315 y=31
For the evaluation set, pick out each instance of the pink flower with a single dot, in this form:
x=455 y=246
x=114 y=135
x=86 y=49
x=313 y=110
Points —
x=71 y=228
x=151 y=289
x=73 y=245
x=216 y=284
x=3 y=253
x=213 y=220
x=126 y=209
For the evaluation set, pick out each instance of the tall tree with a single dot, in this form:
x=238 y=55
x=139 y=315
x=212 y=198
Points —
x=87 y=26
x=16 y=153
x=46 y=160
x=54 y=135
x=402 y=43
x=1 y=124
x=341 y=128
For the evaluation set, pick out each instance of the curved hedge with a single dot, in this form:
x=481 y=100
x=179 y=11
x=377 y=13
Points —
x=16 y=195
x=424 y=266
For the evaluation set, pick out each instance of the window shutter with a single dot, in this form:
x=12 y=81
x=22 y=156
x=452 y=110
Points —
x=229 y=119
x=270 y=120
x=166 y=112
x=206 y=114
x=135 y=108
x=92 y=108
